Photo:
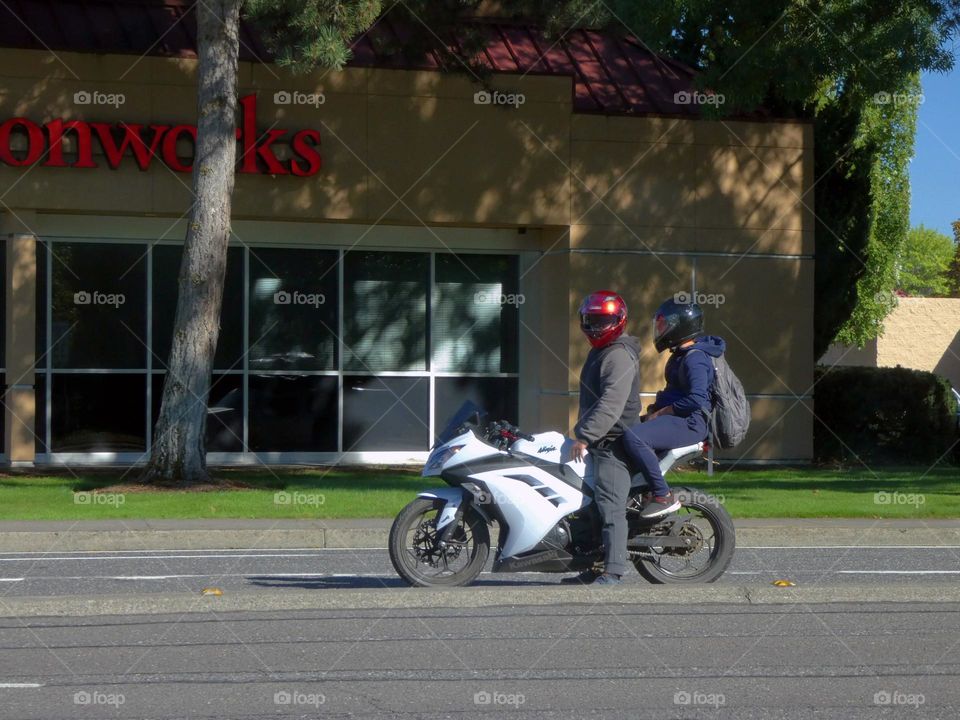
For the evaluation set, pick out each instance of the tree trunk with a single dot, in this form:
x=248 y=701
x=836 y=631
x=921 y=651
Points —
x=178 y=454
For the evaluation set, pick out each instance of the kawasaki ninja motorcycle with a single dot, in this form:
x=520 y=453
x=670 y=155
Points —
x=542 y=505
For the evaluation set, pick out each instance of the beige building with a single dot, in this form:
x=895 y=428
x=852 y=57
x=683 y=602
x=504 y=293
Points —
x=920 y=334
x=438 y=252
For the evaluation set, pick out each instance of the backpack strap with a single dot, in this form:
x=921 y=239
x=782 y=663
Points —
x=711 y=416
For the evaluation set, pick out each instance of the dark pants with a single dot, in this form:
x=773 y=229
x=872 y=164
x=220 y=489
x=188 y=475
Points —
x=611 y=488
x=643 y=441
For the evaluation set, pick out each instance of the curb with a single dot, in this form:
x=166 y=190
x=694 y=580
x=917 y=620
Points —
x=471 y=597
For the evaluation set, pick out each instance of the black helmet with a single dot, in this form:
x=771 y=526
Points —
x=677 y=320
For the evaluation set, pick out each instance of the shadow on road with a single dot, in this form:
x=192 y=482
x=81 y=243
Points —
x=360 y=582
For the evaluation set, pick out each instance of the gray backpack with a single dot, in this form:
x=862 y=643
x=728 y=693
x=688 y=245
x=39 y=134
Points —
x=731 y=411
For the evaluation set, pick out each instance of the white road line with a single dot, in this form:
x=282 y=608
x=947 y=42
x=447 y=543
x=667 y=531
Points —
x=848 y=547
x=898 y=572
x=11 y=579
x=161 y=557
x=199 y=550
x=21 y=685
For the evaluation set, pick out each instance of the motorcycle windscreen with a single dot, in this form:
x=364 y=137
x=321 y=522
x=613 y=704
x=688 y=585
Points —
x=468 y=414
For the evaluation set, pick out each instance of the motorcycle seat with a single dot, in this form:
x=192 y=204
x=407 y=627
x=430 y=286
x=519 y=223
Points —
x=669 y=458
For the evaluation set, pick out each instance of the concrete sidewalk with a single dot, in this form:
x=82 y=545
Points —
x=105 y=535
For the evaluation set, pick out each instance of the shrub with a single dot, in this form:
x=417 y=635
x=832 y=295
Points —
x=883 y=416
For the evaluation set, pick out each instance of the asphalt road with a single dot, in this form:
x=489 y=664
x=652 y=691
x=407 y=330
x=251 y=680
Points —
x=592 y=660
x=267 y=570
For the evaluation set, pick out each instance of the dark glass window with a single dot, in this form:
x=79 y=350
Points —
x=385 y=311
x=476 y=313
x=293 y=309
x=293 y=413
x=498 y=396
x=386 y=413
x=99 y=413
x=224 y=411
x=166 y=270
x=99 y=305
x=40 y=442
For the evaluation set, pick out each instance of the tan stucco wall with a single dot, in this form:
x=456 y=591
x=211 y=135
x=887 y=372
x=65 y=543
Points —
x=602 y=196
x=920 y=333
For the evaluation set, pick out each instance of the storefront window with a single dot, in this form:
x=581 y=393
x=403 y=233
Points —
x=99 y=317
x=386 y=413
x=98 y=412
x=385 y=311
x=293 y=309
x=293 y=413
x=475 y=322
x=497 y=396
x=280 y=384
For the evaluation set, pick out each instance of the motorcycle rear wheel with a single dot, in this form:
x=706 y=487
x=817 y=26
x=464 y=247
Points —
x=715 y=542
x=415 y=558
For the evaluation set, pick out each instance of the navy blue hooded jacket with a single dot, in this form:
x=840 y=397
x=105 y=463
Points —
x=689 y=376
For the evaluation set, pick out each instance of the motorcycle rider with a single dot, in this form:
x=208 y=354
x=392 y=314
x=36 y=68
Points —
x=609 y=402
x=679 y=415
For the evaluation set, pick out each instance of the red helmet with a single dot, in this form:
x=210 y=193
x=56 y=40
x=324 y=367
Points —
x=603 y=317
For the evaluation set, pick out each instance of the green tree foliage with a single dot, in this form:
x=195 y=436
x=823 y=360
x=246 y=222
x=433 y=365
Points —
x=850 y=66
x=924 y=262
x=953 y=272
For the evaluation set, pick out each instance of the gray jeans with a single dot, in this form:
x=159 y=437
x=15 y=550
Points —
x=612 y=486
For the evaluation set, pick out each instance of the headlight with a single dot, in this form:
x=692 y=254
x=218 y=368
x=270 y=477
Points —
x=440 y=456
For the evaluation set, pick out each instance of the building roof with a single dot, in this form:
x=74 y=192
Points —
x=611 y=75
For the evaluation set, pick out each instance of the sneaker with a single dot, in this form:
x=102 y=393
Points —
x=585 y=578
x=608 y=579
x=660 y=506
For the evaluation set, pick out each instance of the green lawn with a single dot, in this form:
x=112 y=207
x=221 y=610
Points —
x=373 y=492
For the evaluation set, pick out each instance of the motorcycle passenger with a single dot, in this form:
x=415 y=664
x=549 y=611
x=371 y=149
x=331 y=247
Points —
x=679 y=415
x=609 y=402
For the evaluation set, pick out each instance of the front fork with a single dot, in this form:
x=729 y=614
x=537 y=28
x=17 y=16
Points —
x=456 y=501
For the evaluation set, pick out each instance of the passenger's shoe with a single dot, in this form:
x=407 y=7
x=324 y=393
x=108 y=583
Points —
x=608 y=579
x=587 y=577
x=660 y=506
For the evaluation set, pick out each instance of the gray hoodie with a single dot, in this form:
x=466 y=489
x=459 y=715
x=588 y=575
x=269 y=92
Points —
x=609 y=391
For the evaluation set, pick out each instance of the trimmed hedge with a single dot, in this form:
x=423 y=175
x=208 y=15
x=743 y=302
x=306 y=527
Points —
x=883 y=416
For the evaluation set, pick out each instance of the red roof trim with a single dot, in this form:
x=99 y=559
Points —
x=610 y=75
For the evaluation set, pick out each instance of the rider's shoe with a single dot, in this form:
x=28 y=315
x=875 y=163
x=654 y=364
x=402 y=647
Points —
x=585 y=578
x=660 y=506
x=608 y=579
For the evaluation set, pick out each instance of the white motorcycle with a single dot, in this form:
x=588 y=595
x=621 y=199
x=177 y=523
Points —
x=542 y=504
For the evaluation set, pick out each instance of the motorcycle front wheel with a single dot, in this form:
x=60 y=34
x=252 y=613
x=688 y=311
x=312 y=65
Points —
x=420 y=563
x=710 y=528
